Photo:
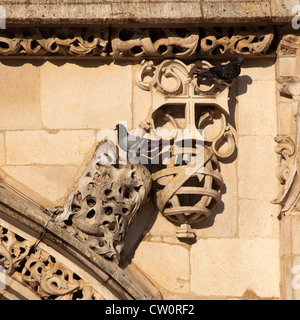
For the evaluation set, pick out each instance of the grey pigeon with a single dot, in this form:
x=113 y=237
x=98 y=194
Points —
x=133 y=145
x=223 y=74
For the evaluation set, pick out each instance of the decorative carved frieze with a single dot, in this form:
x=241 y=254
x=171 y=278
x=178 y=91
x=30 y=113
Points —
x=34 y=41
x=104 y=204
x=135 y=42
x=156 y=42
x=246 y=40
x=41 y=272
x=184 y=42
x=188 y=187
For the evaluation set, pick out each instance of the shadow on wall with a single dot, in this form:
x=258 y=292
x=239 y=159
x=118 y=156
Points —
x=239 y=88
x=86 y=63
x=142 y=224
x=144 y=221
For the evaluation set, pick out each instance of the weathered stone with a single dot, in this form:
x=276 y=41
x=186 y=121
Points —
x=257 y=69
x=2 y=149
x=258 y=219
x=162 y=227
x=161 y=262
x=256 y=167
x=146 y=12
x=47 y=147
x=230 y=11
x=51 y=182
x=87 y=95
x=20 y=102
x=229 y=267
x=256 y=107
x=223 y=220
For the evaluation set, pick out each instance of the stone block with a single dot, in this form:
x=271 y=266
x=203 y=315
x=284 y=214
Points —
x=257 y=69
x=295 y=235
x=141 y=105
x=287 y=124
x=282 y=7
x=54 y=183
x=229 y=10
x=2 y=149
x=85 y=95
x=231 y=267
x=163 y=227
x=285 y=66
x=256 y=108
x=258 y=219
x=43 y=147
x=222 y=221
x=166 y=264
x=20 y=96
x=291 y=277
x=257 y=164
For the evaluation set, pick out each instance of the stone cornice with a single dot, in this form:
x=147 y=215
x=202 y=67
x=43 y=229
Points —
x=144 y=11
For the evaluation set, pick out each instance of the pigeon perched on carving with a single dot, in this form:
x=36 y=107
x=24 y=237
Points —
x=223 y=74
x=130 y=143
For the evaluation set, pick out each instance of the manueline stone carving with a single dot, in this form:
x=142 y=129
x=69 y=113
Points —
x=41 y=272
x=54 y=41
x=236 y=40
x=161 y=42
x=104 y=204
x=286 y=170
x=135 y=42
x=289 y=45
x=188 y=186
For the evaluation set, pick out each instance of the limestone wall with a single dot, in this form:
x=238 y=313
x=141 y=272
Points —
x=50 y=114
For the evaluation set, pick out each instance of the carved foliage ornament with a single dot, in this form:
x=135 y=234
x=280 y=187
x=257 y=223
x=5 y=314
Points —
x=135 y=42
x=41 y=272
x=188 y=187
x=54 y=41
x=185 y=42
x=104 y=204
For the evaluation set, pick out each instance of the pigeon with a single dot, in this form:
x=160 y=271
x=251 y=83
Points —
x=133 y=145
x=223 y=74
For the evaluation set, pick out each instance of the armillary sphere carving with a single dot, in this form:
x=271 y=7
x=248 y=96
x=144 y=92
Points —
x=188 y=186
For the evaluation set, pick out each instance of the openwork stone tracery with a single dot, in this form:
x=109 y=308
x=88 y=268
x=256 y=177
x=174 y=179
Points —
x=188 y=187
x=104 y=204
x=39 y=271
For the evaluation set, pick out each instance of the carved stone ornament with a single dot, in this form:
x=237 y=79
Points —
x=289 y=45
x=188 y=187
x=286 y=170
x=135 y=42
x=181 y=43
x=104 y=204
x=41 y=272
x=54 y=41
x=288 y=141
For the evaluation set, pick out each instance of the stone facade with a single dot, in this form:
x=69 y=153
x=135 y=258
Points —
x=57 y=93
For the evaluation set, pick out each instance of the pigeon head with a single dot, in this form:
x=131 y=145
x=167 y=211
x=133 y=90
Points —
x=121 y=129
x=239 y=60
